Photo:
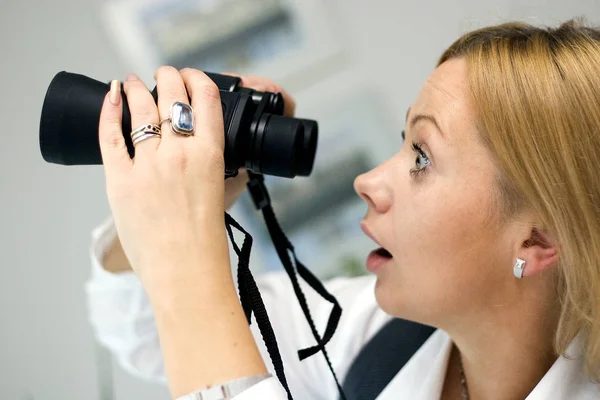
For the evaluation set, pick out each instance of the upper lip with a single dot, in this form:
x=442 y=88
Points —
x=365 y=229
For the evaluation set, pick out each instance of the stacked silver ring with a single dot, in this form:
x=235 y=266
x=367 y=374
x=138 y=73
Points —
x=145 y=132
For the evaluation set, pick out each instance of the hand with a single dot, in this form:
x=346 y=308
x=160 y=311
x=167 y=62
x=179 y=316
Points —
x=115 y=259
x=166 y=199
x=168 y=205
x=234 y=187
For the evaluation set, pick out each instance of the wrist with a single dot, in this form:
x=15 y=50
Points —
x=205 y=338
x=199 y=270
x=186 y=292
x=181 y=288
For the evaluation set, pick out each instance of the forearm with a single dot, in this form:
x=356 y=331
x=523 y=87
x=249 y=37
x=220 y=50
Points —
x=204 y=335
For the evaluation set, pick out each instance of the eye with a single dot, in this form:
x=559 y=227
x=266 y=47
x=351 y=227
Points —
x=421 y=162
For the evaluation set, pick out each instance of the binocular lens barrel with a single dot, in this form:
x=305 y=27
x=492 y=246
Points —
x=281 y=146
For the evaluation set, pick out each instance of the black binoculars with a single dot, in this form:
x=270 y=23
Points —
x=257 y=135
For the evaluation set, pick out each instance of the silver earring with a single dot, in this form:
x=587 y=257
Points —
x=518 y=268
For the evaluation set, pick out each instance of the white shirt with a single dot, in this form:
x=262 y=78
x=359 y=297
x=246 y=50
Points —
x=122 y=317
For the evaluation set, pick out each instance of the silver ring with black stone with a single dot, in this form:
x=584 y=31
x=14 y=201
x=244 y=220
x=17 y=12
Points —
x=145 y=132
x=181 y=118
x=145 y=135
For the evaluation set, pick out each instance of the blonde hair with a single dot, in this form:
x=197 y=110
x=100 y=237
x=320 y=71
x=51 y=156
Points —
x=537 y=95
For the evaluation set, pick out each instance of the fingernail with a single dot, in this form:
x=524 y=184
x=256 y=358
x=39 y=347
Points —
x=115 y=92
x=132 y=77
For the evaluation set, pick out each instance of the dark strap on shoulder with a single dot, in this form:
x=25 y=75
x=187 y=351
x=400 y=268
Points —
x=382 y=357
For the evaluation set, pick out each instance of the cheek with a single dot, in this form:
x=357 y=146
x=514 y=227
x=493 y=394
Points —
x=442 y=238
x=445 y=220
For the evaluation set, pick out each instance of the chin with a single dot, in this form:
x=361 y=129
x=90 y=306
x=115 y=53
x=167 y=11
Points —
x=398 y=302
x=389 y=297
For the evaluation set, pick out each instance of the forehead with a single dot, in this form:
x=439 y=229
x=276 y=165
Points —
x=445 y=95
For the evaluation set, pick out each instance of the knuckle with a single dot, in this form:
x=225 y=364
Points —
x=111 y=120
x=115 y=140
x=109 y=133
x=260 y=87
x=178 y=161
x=144 y=114
x=262 y=84
x=273 y=87
x=175 y=93
x=209 y=90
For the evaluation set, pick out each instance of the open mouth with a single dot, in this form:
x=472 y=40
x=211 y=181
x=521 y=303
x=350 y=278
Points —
x=377 y=259
x=383 y=252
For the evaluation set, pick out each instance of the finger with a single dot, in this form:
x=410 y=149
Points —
x=266 y=85
x=171 y=89
x=115 y=157
x=143 y=112
x=206 y=101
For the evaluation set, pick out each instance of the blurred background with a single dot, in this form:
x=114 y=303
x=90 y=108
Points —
x=353 y=65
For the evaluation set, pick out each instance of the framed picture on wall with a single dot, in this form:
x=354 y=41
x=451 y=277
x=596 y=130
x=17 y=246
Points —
x=281 y=39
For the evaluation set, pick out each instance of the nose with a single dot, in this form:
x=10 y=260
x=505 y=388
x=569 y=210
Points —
x=374 y=190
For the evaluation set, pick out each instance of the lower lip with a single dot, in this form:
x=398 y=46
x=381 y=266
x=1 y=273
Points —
x=375 y=262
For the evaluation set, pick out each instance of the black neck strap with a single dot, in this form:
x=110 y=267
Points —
x=251 y=299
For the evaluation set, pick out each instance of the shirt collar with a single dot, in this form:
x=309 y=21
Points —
x=422 y=377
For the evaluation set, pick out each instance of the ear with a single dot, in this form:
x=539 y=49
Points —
x=539 y=251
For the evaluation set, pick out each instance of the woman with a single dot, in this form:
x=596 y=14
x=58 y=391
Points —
x=490 y=212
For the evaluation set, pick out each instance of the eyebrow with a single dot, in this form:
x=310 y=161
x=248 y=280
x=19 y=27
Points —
x=424 y=117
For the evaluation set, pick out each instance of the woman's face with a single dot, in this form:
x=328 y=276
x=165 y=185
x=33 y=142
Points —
x=434 y=207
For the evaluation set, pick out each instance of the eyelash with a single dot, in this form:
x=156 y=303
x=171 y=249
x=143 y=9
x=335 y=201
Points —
x=420 y=153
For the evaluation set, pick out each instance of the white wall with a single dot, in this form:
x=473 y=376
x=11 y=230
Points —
x=47 y=349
